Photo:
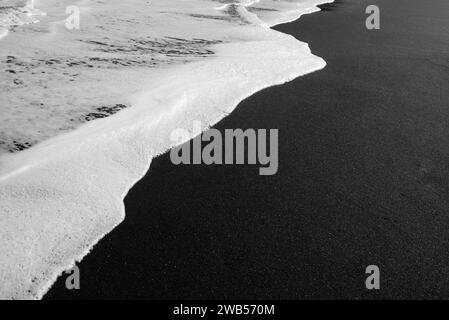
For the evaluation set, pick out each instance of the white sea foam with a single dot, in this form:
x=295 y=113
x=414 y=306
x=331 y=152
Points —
x=173 y=61
x=15 y=13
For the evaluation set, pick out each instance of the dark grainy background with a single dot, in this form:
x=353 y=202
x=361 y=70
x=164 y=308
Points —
x=363 y=179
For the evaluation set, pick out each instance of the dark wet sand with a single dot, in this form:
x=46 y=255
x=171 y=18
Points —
x=363 y=179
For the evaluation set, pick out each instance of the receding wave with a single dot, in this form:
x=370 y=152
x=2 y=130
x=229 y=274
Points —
x=85 y=110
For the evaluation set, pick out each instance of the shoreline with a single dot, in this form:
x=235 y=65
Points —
x=108 y=212
x=365 y=183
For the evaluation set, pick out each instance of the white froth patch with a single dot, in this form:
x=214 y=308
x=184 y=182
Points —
x=3 y=32
x=64 y=194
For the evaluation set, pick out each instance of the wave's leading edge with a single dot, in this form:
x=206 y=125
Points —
x=60 y=197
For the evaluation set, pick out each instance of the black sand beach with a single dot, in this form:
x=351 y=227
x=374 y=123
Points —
x=363 y=179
